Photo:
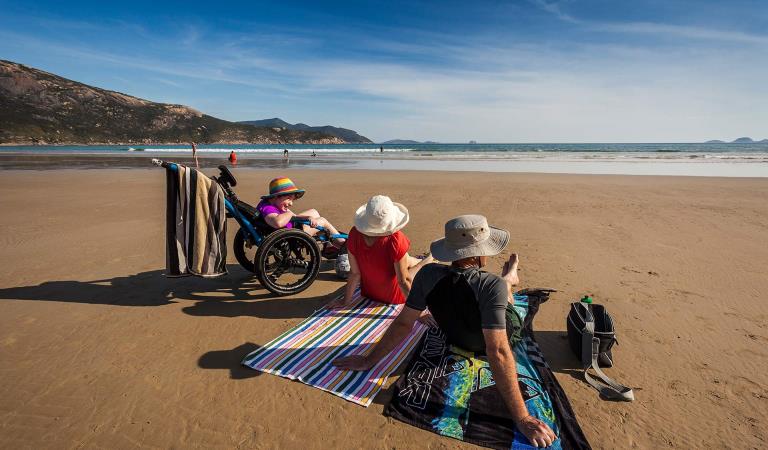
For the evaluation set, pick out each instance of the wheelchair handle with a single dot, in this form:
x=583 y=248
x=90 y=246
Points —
x=163 y=164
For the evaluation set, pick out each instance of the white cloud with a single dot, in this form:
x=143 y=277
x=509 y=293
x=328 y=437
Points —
x=682 y=31
x=553 y=7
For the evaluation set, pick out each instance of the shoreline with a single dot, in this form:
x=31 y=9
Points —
x=396 y=162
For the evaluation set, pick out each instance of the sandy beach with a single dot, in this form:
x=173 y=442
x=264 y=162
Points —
x=99 y=350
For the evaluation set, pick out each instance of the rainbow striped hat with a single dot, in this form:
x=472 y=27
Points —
x=283 y=186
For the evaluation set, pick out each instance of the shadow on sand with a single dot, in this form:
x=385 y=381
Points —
x=236 y=294
x=554 y=345
x=230 y=360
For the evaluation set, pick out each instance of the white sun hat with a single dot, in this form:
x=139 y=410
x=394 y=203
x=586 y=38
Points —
x=380 y=216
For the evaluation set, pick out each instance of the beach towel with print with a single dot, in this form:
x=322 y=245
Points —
x=196 y=224
x=451 y=391
x=304 y=353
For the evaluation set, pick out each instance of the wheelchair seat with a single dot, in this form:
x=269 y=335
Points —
x=255 y=218
x=265 y=229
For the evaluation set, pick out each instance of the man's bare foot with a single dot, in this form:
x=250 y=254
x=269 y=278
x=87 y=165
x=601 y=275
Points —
x=509 y=271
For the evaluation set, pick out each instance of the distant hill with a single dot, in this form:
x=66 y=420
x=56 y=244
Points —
x=400 y=142
x=406 y=142
x=349 y=136
x=38 y=107
x=741 y=140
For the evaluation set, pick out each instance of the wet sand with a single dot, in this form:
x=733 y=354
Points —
x=99 y=349
x=753 y=166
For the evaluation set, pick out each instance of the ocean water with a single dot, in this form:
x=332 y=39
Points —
x=732 y=160
x=754 y=151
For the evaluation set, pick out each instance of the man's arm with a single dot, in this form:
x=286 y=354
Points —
x=502 y=362
x=397 y=331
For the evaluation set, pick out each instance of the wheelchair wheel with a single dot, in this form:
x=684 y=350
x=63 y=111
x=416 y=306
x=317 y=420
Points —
x=245 y=255
x=287 y=262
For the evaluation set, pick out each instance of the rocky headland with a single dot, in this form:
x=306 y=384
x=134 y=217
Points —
x=40 y=108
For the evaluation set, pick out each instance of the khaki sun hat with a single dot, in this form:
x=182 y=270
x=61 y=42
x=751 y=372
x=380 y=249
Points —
x=467 y=236
x=380 y=216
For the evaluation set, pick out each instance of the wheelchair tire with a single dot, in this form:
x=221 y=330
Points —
x=287 y=262
x=241 y=252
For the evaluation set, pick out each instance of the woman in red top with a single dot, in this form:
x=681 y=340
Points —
x=378 y=254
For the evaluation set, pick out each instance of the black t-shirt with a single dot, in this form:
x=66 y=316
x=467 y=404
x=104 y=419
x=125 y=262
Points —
x=491 y=292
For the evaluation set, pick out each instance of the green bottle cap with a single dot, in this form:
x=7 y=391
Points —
x=586 y=299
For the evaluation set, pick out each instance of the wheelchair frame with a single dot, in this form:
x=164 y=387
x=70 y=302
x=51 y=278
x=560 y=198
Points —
x=288 y=239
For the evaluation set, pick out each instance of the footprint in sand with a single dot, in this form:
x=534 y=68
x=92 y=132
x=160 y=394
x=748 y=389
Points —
x=753 y=336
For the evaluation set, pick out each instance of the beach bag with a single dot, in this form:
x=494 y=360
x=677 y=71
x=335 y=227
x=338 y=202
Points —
x=591 y=335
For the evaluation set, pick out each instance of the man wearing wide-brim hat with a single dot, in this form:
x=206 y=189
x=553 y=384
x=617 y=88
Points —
x=472 y=308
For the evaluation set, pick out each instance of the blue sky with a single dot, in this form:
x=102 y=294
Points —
x=449 y=71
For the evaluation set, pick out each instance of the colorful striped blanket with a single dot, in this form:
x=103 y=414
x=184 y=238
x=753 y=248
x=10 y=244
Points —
x=305 y=352
x=451 y=392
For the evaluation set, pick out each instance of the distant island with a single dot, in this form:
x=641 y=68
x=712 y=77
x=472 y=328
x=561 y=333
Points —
x=406 y=142
x=40 y=108
x=741 y=140
x=349 y=136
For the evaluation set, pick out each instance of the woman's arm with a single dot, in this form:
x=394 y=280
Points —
x=403 y=275
x=353 y=281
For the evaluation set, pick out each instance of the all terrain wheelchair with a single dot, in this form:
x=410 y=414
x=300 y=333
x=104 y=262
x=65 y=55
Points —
x=287 y=260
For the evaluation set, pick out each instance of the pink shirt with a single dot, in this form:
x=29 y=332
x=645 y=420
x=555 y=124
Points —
x=265 y=208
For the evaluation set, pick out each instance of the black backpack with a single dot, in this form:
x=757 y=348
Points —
x=591 y=335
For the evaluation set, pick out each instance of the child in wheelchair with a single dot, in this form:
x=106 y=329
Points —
x=275 y=208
